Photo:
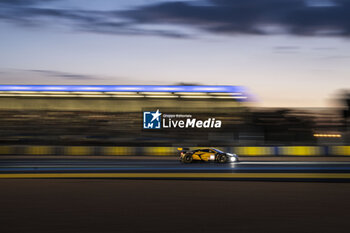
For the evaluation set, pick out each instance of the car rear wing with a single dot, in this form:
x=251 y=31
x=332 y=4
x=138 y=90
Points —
x=183 y=149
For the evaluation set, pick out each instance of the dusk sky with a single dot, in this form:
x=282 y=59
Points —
x=292 y=53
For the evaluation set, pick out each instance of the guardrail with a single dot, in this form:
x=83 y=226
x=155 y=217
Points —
x=172 y=151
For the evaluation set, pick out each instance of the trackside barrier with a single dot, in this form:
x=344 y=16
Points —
x=254 y=151
x=301 y=151
x=5 y=150
x=118 y=150
x=160 y=151
x=78 y=150
x=172 y=151
x=39 y=150
x=340 y=150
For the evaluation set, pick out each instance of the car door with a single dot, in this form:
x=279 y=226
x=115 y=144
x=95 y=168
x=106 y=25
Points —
x=206 y=154
x=212 y=154
x=197 y=155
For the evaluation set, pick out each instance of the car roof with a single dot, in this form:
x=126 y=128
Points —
x=203 y=149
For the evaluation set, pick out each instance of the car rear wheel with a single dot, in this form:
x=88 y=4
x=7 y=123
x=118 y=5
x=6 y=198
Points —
x=187 y=158
x=222 y=159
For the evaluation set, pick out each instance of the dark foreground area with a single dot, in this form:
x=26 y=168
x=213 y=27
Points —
x=109 y=205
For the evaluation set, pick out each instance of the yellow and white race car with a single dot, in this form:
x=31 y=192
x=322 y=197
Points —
x=207 y=154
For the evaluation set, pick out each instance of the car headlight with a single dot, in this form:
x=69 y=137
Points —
x=233 y=159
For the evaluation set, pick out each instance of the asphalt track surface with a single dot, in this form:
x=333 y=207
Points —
x=177 y=205
x=171 y=168
x=115 y=205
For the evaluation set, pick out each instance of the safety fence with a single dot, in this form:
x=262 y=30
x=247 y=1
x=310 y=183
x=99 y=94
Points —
x=172 y=151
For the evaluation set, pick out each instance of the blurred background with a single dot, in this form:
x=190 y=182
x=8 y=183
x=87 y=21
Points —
x=291 y=56
x=116 y=118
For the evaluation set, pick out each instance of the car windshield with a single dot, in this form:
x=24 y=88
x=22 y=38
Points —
x=217 y=150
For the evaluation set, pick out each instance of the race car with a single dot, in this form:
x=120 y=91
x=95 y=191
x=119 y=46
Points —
x=207 y=154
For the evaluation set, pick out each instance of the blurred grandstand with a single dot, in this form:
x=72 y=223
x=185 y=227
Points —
x=112 y=115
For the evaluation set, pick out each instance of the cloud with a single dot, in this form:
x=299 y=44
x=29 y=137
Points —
x=54 y=77
x=20 y=2
x=228 y=17
x=31 y=14
x=65 y=75
x=289 y=48
x=324 y=48
x=295 y=17
x=337 y=57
